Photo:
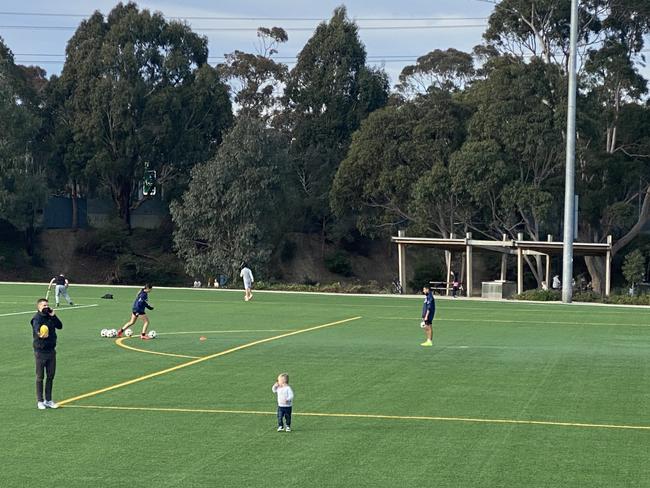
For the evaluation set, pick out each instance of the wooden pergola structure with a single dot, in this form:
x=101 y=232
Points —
x=518 y=247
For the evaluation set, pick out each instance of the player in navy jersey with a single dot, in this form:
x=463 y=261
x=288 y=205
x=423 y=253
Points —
x=428 y=312
x=140 y=306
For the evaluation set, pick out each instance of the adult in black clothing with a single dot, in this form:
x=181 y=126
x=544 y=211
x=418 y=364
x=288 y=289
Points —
x=44 y=325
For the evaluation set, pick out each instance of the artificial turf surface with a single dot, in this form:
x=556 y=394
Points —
x=212 y=423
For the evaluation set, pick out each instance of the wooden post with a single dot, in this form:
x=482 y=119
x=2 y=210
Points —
x=549 y=238
x=401 y=258
x=504 y=261
x=520 y=265
x=608 y=267
x=468 y=254
x=448 y=257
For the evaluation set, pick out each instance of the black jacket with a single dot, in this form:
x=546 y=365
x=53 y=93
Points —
x=53 y=323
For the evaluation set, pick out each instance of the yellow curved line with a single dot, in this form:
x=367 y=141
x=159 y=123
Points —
x=120 y=342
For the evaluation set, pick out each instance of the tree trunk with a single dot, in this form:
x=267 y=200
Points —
x=75 y=205
x=124 y=204
x=596 y=268
x=29 y=240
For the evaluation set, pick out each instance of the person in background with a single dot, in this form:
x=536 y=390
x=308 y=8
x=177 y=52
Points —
x=61 y=284
x=428 y=312
x=247 y=275
x=557 y=284
x=455 y=285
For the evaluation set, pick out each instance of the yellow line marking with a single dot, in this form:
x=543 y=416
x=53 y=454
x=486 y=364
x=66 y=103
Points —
x=120 y=342
x=225 y=331
x=201 y=359
x=376 y=416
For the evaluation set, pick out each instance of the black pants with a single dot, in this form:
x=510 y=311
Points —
x=284 y=413
x=45 y=364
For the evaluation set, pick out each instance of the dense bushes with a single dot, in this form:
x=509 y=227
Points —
x=540 y=295
x=106 y=242
x=336 y=287
x=584 y=297
x=136 y=257
x=339 y=263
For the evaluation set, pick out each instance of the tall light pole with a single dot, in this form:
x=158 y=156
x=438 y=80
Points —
x=569 y=184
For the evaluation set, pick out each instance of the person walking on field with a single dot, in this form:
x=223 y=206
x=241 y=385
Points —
x=61 y=284
x=44 y=325
x=247 y=275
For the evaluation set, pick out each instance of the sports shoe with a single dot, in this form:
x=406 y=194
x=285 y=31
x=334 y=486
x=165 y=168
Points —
x=120 y=333
x=41 y=405
x=51 y=404
x=56 y=306
x=145 y=337
x=427 y=343
x=288 y=429
x=280 y=428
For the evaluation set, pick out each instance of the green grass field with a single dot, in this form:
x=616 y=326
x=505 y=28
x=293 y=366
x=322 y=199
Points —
x=512 y=394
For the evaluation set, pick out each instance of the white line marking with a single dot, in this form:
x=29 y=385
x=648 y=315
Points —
x=76 y=307
x=471 y=321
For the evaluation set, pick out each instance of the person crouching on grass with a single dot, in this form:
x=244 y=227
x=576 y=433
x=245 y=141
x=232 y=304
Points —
x=44 y=325
x=138 y=310
x=285 y=401
x=428 y=312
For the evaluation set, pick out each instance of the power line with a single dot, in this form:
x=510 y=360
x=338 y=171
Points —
x=247 y=29
x=410 y=56
x=289 y=19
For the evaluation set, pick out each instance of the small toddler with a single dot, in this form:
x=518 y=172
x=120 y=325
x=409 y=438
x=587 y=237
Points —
x=285 y=401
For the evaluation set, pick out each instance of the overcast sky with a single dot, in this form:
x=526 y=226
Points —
x=41 y=39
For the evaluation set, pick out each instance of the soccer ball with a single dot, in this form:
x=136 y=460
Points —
x=422 y=324
x=152 y=334
x=112 y=333
x=104 y=333
x=128 y=332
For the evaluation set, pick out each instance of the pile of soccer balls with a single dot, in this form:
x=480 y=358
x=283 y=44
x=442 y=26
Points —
x=111 y=333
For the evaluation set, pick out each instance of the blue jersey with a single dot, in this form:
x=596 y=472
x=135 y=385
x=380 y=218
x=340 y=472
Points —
x=429 y=305
x=141 y=302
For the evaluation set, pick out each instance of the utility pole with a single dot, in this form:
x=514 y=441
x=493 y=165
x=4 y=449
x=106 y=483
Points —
x=569 y=184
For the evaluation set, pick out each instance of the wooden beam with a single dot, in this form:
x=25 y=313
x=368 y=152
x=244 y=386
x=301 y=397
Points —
x=520 y=266
x=401 y=257
x=549 y=238
x=468 y=254
x=608 y=267
x=504 y=262
x=448 y=258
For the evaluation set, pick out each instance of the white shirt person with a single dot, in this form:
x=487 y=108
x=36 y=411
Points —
x=247 y=275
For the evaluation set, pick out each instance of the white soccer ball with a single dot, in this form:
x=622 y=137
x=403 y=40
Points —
x=128 y=332
x=422 y=324
x=112 y=333
x=152 y=334
x=103 y=332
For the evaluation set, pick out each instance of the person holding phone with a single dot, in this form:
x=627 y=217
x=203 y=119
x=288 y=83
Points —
x=44 y=325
